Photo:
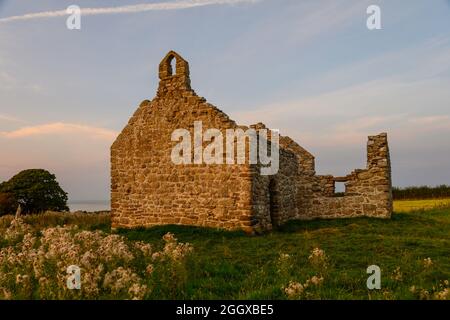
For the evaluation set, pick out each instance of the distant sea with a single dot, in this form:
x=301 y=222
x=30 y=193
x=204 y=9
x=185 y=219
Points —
x=90 y=206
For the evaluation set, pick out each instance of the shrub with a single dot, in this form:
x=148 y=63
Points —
x=422 y=192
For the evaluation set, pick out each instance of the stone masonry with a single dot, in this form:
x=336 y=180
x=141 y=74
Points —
x=148 y=189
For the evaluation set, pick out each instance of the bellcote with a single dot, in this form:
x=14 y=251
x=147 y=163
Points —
x=173 y=78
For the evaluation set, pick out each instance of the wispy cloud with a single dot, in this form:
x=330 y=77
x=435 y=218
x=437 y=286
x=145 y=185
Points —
x=431 y=120
x=385 y=102
x=304 y=22
x=7 y=81
x=61 y=128
x=160 y=6
x=8 y=118
x=77 y=153
x=366 y=124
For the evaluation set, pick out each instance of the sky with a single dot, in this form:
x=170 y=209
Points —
x=310 y=68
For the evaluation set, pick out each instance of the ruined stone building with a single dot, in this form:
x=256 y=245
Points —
x=149 y=189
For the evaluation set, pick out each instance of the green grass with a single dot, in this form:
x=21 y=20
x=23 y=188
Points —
x=85 y=221
x=233 y=265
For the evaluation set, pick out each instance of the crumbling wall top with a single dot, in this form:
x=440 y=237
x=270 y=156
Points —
x=378 y=151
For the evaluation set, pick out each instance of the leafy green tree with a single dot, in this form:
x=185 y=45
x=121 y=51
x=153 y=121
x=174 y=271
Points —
x=8 y=204
x=36 y=190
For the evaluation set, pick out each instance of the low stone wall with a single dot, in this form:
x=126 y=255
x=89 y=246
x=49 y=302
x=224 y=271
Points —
x=368 y=191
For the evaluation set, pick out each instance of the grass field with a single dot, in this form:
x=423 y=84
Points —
x=412 y=250
x=417 y=205
x=228 y=265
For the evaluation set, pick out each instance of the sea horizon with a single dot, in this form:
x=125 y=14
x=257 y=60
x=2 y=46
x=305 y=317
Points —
x=89 y=205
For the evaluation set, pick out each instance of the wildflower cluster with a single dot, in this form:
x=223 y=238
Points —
x=34 y=264
x=295 y=290
x=440 y=292
x=397 y=275
x=318 y=258
x=427 y=263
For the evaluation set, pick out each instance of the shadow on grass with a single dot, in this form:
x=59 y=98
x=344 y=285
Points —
x=188 y=232
x=311 y=225
x=398 y=222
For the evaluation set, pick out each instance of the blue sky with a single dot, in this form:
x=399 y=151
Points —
x=309 y=68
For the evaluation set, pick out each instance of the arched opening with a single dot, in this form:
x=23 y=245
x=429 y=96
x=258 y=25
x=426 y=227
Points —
x=172 y=65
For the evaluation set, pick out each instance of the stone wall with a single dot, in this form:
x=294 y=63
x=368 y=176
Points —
x=368 y=192
x=275 y=196
x=148 y=189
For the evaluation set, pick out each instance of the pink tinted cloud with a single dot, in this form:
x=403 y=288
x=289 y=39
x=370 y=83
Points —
x=61 y=128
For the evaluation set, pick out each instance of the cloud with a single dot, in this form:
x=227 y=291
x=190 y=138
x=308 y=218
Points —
x=160 y=6
x=345 y=117
x=8 y=118
x=78 y=154
x=408 y=103
x=59 y=128
x=366 y=123
x=432 y=120
x=301 y=23
x=7 y=81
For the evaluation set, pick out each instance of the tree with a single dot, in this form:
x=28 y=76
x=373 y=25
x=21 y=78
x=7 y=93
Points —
x=8 y=204
x=36 y=190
